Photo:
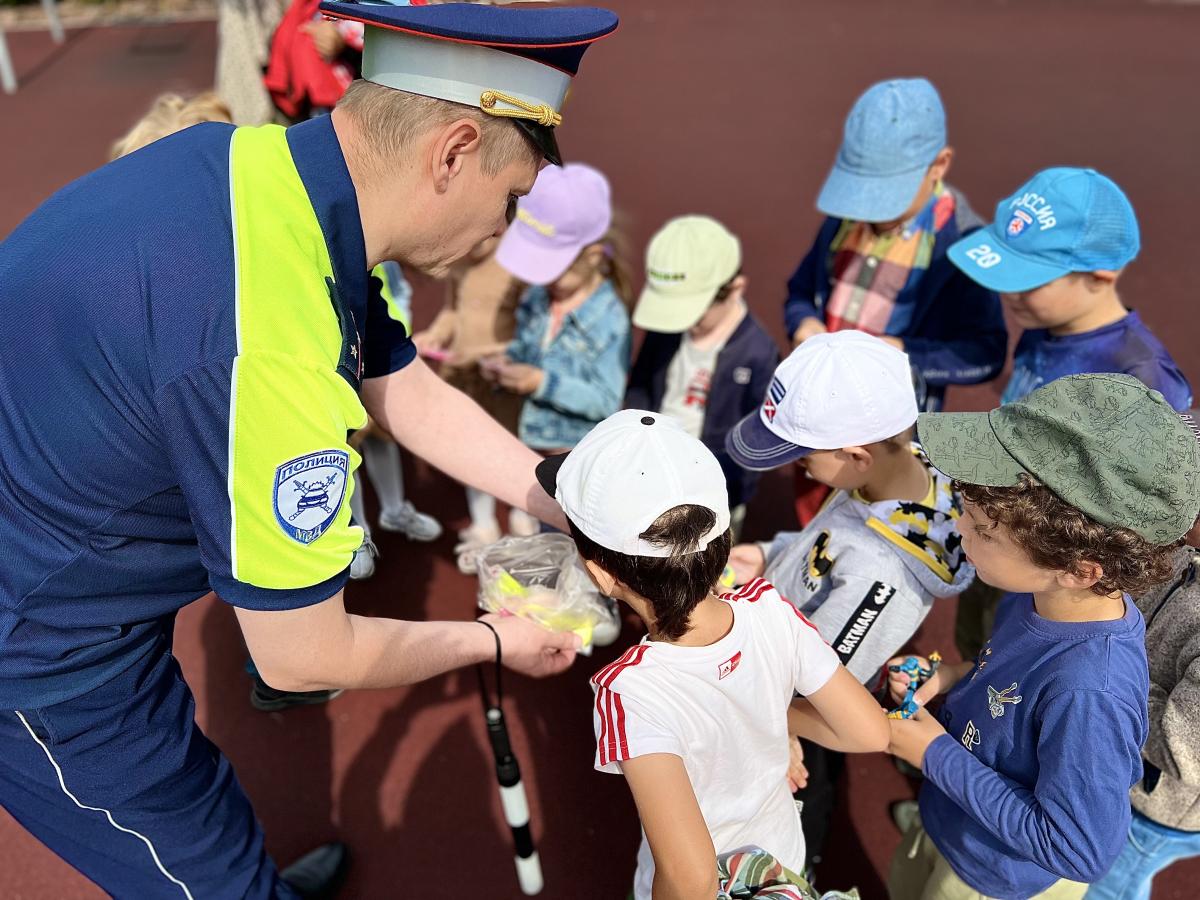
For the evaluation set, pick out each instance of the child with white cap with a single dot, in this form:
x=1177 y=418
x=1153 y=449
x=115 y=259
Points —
x=570 y=353
x=697 y=714
x=868 y=567
x=705 y=360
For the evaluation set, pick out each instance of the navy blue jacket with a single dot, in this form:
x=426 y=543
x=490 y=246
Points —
x=744 y=368
x=956 y=334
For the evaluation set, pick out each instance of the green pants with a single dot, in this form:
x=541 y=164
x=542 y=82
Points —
x=920 y=872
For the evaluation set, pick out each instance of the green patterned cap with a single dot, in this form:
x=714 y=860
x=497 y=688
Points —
x=1106 y=444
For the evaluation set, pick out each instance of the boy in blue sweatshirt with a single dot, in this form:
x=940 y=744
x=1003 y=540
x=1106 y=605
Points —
x=1054 y=253
x=1073 y=498
x=878 y=263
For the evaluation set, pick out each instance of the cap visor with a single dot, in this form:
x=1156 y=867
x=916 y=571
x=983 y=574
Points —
x=543 y=139
x=547 y=472
x=868 y=198
x=532 y=262
x=755 y=447
x=964 y=447
x=669 y=315
x=997 y=267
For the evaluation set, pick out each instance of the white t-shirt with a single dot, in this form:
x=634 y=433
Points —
x=723 y=710
x=689 y=378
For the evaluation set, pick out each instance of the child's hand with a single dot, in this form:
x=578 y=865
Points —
x=325 y=37
x=806 y=329
x=521 y=378
x=797 y=776
x=490 y=367
x=912 y=737
x=426 y=340
x=747 y=562
x=898 y=682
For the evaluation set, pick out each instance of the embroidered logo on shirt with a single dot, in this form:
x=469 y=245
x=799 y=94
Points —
x=819 y=562
x=308 y=493
x=970 y=738
x=727 y=667
x=742 y=375
x=997 y=699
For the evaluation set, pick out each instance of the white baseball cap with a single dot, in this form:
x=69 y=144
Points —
x=845 y=389
x=629 y=470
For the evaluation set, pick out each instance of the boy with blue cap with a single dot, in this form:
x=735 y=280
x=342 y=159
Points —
x=878 y=263
x=1054 y=253
x=170 y=448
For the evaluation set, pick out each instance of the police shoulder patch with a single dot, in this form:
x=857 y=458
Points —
x=309 y=491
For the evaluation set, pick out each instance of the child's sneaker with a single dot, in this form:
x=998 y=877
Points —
x=522 y=524
x=470 y=542
x=362 y=566
x=416 y=526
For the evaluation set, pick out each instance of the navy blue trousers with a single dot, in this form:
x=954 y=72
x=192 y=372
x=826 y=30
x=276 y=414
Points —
x=122 y=784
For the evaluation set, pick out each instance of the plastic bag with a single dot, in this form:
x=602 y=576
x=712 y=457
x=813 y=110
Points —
x=540 y=578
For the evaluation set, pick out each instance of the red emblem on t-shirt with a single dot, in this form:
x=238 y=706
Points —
x=727 y=667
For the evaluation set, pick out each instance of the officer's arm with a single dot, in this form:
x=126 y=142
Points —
x=322 y=647
x=445 y=427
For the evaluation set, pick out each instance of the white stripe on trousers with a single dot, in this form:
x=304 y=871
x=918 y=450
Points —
x=75 y=800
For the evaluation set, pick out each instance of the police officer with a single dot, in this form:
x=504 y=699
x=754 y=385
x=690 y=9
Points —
x=191 y=333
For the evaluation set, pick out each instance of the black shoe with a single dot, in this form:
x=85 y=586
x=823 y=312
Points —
x=318 y=874
x=265 y=698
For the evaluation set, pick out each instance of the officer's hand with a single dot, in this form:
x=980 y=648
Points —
x=531 y=649
x=325 y=37
x=912 y=737
x=747 y=562
x=806 y=329
x=521 y=378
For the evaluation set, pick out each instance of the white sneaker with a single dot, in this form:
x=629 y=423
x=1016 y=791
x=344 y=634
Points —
x=522 y=524
x=416 y=526
x=363 y=564
x=470 y=542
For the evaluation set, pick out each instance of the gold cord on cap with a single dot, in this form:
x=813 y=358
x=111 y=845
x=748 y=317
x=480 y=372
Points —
x=541 y=113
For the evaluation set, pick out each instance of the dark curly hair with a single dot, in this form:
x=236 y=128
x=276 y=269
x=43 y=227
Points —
x=673 y=584
x=1056 y=535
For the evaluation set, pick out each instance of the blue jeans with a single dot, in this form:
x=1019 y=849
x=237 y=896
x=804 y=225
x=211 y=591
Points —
x=1150 y=849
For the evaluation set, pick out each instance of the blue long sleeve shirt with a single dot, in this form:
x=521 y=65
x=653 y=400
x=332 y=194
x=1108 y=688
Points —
x=1031 y=782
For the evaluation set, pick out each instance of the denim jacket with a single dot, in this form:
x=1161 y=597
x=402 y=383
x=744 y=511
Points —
x=585 y=366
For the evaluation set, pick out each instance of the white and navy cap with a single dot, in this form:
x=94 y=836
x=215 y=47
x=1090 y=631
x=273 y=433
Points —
x=845 y=389
x=512 y=63
x=629 y=470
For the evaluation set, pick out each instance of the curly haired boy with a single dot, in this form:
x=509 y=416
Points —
x=1074 y=498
